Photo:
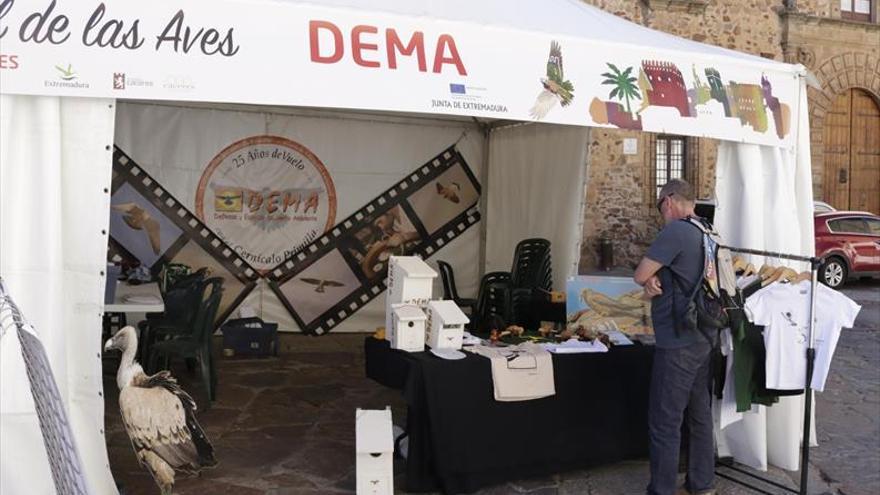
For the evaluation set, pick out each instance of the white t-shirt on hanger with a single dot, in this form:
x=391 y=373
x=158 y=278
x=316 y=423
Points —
x=783 y=309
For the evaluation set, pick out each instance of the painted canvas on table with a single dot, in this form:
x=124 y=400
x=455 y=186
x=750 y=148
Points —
x=604 y=302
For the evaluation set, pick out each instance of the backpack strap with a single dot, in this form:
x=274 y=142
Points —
x=703 y=233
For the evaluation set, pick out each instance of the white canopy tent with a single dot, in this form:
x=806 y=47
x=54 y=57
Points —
x=416 y=74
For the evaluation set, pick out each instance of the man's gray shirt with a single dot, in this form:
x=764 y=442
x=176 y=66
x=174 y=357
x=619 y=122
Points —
x=678 y=248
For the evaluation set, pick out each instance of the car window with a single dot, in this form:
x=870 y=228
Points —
x=848 y=225
x=873 y=226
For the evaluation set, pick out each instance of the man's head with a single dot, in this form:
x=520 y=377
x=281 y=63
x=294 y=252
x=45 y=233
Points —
x=676 y=200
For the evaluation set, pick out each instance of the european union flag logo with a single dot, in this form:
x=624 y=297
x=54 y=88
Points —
x=457 y=89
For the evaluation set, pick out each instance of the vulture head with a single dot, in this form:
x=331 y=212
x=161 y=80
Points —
x=159 y=417
x=125 y=340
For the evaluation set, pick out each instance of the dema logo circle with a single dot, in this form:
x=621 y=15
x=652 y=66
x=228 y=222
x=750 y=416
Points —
x=267 y=197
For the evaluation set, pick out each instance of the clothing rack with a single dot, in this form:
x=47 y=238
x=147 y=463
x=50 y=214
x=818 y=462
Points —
x=814 y=262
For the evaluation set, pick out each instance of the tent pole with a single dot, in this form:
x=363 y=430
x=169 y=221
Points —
x=484 y=199
x=575 y=269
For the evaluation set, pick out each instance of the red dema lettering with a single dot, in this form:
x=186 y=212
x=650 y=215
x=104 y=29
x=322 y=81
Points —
x=327 y=45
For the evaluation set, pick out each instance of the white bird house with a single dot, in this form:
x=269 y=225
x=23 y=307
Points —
x=375 y=451
x=408 y=328
x=446 y=323
x=410 y=281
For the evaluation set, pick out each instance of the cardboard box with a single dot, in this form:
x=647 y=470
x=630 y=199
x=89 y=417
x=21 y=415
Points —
x=446 y=323
x=408 y=328
x=374 y=445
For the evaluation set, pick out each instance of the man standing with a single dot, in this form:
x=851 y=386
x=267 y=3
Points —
x=670 y=272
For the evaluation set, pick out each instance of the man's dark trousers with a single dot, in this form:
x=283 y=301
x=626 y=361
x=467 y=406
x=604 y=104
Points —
x=679 y=381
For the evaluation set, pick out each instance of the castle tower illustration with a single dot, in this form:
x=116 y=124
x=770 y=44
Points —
x=700 y=94
x=780 y=111
x=748 y=101
x=667 y=86
x=717 y=90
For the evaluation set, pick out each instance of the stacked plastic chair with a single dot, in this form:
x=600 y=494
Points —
x=531 y=278
x=493 y=301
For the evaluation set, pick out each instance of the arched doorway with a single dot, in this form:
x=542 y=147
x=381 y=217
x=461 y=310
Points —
x=852 y=152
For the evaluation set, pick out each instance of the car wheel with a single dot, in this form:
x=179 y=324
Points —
x=833 y=273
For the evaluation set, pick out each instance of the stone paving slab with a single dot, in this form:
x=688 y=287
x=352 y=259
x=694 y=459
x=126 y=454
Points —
x=286 y=425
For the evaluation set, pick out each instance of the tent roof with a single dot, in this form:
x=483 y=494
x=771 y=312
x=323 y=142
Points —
x=572 y=18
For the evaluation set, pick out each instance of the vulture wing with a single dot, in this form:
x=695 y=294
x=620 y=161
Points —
x=160 y=419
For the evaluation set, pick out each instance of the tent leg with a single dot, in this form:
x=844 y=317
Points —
x=484 y=200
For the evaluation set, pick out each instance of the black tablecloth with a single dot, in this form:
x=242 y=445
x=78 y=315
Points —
x=462 y=439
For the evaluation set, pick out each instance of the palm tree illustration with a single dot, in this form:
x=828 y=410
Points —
x=66 y=74
x=624 y=84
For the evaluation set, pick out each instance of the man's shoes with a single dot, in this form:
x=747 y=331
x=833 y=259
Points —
x=683 y=491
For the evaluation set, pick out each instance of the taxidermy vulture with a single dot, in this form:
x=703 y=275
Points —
x=159 y=417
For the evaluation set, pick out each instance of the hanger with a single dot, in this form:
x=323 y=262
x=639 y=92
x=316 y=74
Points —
x=772 y=275
x=765 y=271
x=788 y=275
x=749 y=270
x=739 y=264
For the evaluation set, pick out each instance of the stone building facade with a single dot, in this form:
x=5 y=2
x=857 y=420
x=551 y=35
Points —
x=843 y=54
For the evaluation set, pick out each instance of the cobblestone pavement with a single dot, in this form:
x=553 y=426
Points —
x=848 y=412
x=286 y=425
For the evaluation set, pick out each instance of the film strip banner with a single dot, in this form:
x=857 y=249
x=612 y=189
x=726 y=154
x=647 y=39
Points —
x=149 y=225
x=344 y=269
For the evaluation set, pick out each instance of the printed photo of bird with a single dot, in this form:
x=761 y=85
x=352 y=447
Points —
x=159 y=418
x=320 y=284
x=556 y=87
x=227 y=199
x=138 y=219
x=449 y=192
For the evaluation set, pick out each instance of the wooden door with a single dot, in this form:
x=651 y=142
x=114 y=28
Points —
x=852 y=152
x=864 y=190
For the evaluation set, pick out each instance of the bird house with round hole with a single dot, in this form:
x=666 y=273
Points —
x=374 y=445
x=446 y=323
x=408 y=328
x=410 y=281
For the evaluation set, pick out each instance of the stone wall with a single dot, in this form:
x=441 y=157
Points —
x=841 y=53
x=619 y=201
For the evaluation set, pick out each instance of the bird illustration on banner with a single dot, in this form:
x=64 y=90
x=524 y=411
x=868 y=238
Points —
x=556 y=87
x=449 y=192
x=320 y=284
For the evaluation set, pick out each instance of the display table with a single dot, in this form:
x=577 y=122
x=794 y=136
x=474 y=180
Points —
x=461 y=439
x=123 y=304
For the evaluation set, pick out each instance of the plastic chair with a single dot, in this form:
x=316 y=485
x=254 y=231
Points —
x=450 y=292
x=494 y=299
x=196 y=345
x=181 y=302
x=531 y=279
x=532 y=265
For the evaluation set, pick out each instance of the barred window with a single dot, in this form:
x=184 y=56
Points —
x=672 y=157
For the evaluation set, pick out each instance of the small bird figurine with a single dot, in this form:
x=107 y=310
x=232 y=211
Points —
x=320 y=284
x=159 y=418
x=449 y=192
x=138 y=219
